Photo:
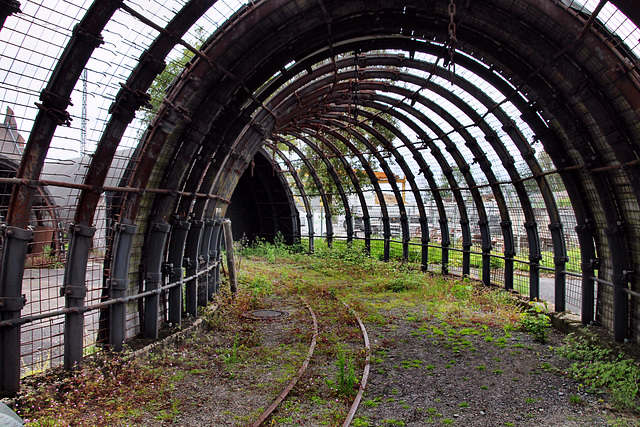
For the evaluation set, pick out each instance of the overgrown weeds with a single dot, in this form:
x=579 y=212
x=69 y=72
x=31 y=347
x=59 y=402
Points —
x=443 y=309
x=346 y=378
x=600 y=367
x=103 y=392
x=536 y=322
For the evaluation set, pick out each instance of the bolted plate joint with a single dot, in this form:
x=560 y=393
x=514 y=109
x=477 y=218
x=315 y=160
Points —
x=17 y=233
x=13 y=303
x=73 y=291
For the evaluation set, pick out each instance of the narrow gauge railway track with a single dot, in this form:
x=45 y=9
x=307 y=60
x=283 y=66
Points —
x=305 y=364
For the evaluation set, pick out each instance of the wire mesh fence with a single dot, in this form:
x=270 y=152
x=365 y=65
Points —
x=447 y=169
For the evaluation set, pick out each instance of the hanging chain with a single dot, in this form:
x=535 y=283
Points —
x=451 y=45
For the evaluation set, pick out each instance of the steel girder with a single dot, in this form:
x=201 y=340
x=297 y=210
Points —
x=583 y=110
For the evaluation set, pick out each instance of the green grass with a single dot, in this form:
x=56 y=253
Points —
x=442 y=309
x=599 y=367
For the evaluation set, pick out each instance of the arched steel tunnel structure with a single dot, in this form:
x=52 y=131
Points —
x=492 y=138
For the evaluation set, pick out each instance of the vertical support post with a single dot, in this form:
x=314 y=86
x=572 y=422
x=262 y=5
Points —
x=366 y=220
x=329 y=229
x=311 y=232
x=14 y=251
x=191 y=263
x=214 y=256
x=231 y=263
x=119 y=283
x=219 y=238
x=534 y=259
x=74 y=290
x=406 y=236
x=466 y=247
x=560 y=259
x=204 y=258
x=485 y=235
x=446 y=241
x=156 y=245
x=387 y=238
x=589 y=264
x=509 y=253
x=179 y=231
x=349 y=223
x=615 y=238
x=424 y=240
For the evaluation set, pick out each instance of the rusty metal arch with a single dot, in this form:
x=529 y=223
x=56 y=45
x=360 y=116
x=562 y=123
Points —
x=217 y=116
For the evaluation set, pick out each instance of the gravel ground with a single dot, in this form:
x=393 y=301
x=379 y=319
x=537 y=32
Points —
x=423 y=372
x=471 y=380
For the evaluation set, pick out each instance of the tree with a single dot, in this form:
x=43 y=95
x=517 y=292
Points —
x=165 y=79
x=317 y=161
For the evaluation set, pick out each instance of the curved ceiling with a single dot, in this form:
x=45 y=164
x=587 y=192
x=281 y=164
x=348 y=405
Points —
x=455 y=97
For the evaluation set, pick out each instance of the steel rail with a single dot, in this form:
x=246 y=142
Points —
x=365 y=373
x=267 y=413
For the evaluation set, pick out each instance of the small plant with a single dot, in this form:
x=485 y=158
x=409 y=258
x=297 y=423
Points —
x=598 y=367
x=360 y=422
x=232 y=355
x=536 y=322
x=370 y=403
x=575 y=399
x=346 y=379
x=392 y=422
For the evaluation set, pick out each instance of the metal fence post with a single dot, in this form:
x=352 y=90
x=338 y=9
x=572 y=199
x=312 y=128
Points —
x=214 y=256
x=615 y=238
x=424 y=240
x=509 y=253
x=534 y=259
x=406 y=236
x=446 y=241
x=311 y=232
x=191 y=261
x=386 y=235
x=179 y=230
x=74 y=290
x=466 y=247
x=119 y=283
x=589 y=263
x=231 y=263
x=560 y=260
x=14 y=251
x=156 y=245
x=485 y=234
x=203 y=285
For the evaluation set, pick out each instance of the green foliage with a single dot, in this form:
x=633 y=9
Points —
x=536 y=322
x=162 y=83
x=231 y=356
x=86 y=396
x=346 y=377
x=360 y=422
x=462 y=289
x=272 y=252
x=599 y=367
x=339 y=155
